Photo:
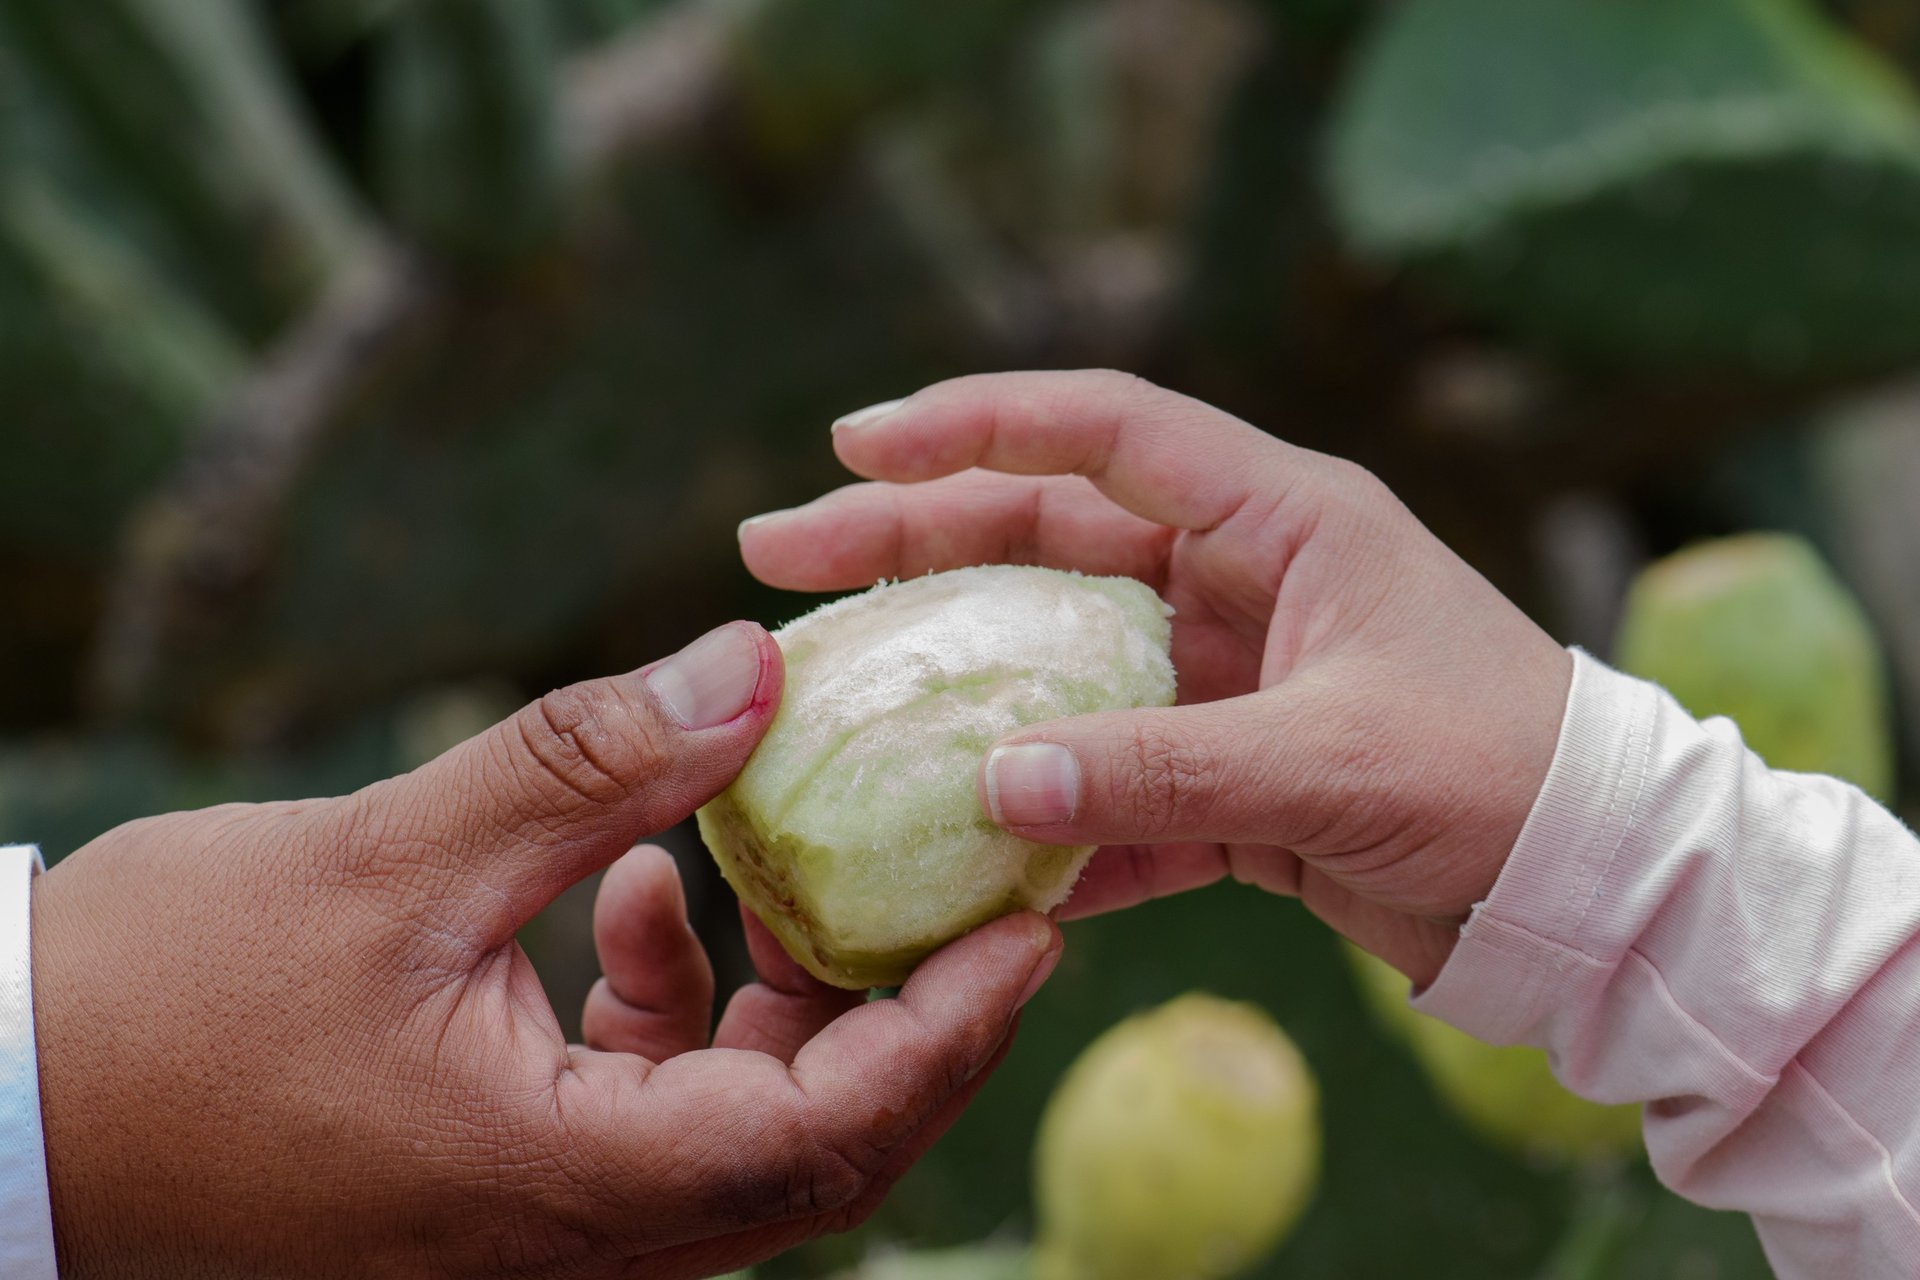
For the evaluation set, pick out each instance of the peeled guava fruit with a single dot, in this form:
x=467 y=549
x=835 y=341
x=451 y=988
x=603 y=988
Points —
x=1183 y=1144
x=854 y=831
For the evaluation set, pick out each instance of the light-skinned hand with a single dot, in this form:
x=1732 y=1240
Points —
x=299 y=1040
x=1364 y=720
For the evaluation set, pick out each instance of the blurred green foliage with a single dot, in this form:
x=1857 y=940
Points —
x=1505 y=1093
x=370 y=364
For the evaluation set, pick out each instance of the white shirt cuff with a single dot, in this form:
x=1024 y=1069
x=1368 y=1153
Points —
x=26 y=1214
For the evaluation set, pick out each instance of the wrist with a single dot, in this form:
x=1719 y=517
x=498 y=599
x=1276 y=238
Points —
x=66 y=1114
x=1536 y=712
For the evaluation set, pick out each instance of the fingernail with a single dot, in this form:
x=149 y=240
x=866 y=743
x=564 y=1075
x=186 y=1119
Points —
x=870 y=416
x=764 y=518
x=1032 y=784
x=1041 y=972
x=712 y=680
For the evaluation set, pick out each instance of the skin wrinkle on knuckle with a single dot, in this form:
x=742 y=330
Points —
x=565 y=738
x=1097 y=402
x=855 y=1215
x=773 y=1168
x=926 y=1052
x=745 y=1166
x=1117 y=387
x=1160 y=782
x=828 y=1179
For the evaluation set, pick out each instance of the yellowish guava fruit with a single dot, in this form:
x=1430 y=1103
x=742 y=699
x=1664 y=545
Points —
x=1758 y=629
x=1505 y=1093
x=854 y=832
x=1183 y=1144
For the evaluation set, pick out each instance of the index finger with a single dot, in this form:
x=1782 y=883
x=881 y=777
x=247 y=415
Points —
x=1160 y=455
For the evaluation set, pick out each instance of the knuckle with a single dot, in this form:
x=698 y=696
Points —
x=589 y=742
x=1113 y=396
x=1354 y=487
x=939 y=1056
x=828 y=1180
x=1350 y=473
x=1161 y=781
x=851 y=1219
x=1119 y=383
x=796 y=1174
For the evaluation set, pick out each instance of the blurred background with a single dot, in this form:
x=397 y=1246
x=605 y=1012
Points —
x=369 y=366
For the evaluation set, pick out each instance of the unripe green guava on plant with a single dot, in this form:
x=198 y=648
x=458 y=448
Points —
x=1183 y=1144
x=854 y=832
x=1756 y=628
x=1505 y=1093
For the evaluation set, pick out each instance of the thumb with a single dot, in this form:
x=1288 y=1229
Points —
x=1234 y=771
x=497 y=827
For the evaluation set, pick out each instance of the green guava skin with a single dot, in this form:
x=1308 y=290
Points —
x=1183 y=1144
x=1758 y=629
x=1505 y=1093
x=854 y=833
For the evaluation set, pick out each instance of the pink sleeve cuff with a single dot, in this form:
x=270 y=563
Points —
x=1735 y=946
x=1522 y=945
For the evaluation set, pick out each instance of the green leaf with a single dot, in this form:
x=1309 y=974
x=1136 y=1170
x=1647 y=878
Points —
x=1732 y=183
x=469 y=140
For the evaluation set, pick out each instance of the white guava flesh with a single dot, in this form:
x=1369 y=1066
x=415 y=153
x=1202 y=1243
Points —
x=854 y=832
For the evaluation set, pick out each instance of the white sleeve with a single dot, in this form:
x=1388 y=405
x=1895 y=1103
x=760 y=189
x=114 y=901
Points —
x=1736 y=947
x=26 y=1217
